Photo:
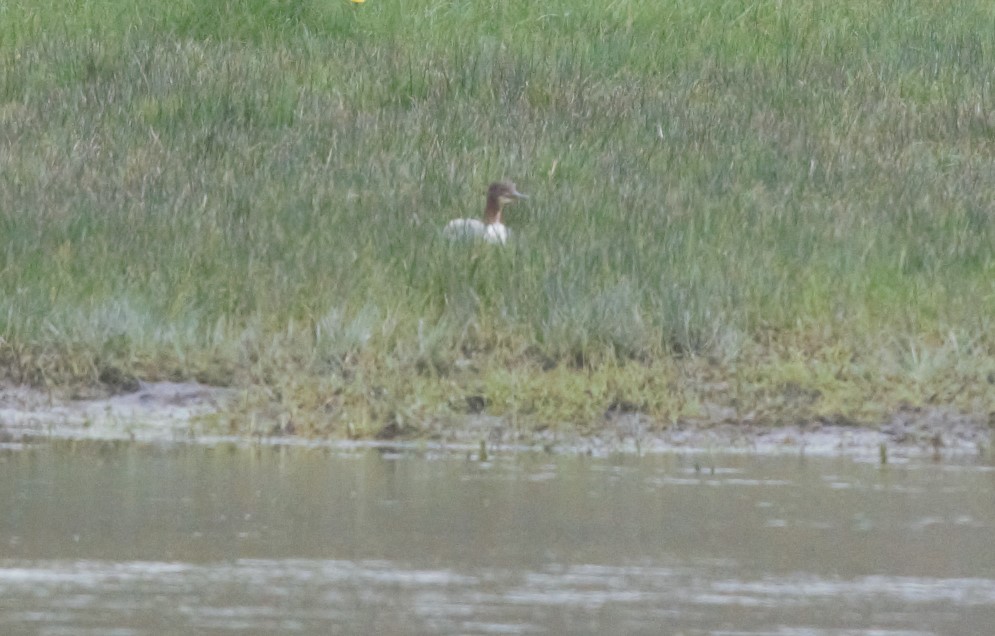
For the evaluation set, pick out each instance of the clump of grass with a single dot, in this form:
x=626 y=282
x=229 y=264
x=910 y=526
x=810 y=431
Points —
x=764 y=211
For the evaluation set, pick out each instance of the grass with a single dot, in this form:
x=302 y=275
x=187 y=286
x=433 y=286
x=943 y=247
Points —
x=770 y=211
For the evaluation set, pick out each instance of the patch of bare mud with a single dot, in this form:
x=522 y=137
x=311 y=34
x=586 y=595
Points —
x=170 y=412
x=936 y=432
x=157 y=411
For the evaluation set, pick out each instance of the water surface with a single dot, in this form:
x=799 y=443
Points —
x=107 y=538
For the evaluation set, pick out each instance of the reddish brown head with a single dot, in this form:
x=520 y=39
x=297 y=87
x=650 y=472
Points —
x=499 y=194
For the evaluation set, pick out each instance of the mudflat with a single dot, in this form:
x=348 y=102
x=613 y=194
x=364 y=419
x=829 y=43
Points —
x=191 y=412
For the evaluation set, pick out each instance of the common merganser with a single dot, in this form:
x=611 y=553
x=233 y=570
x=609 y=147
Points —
x=491 y=230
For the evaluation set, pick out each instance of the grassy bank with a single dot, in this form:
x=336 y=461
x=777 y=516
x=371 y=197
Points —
x=738 y=210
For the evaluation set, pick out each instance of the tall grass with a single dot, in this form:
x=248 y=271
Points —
x=251 y=191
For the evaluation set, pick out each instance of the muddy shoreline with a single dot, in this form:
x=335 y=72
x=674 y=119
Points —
x=169 y=412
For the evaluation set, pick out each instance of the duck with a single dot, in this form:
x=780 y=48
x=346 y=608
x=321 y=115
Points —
x=491 y=229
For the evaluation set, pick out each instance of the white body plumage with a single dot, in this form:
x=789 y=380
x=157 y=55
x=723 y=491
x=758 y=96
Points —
x=494 y=233
x=491 y=229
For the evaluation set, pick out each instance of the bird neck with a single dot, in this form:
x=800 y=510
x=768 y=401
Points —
x=492 y=214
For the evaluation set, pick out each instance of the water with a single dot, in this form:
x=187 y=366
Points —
x=130 y=539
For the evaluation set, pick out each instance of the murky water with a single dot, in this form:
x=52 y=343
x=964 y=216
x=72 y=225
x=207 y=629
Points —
x=125 y=539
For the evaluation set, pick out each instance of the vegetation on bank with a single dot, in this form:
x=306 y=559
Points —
x=739 y=210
